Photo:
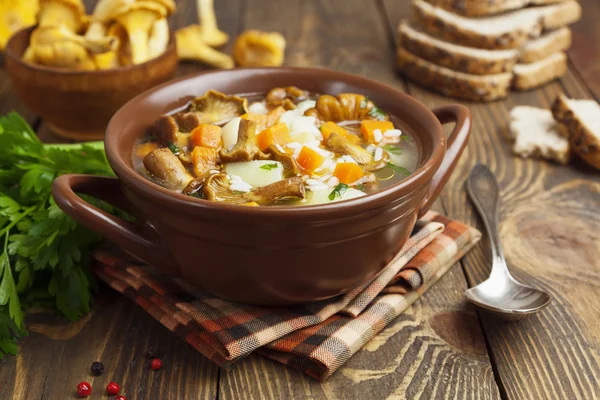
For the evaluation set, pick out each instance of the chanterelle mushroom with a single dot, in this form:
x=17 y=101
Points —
x=138 y=19
x=290 y=166
x=50 y=34
x=167 y=169
x=246 y=148
x=345 y=107
x=15 y=15
x=191 y=47
x=342 y=146
x=159 y=38
x=287 y=97
x=259 y=49
x=215 y=107
x=208 y=31
x=68 y=13
x=69 y=55
x=217 y=188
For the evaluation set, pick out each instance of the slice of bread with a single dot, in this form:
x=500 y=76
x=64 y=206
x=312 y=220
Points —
x=581 y=118
x=452 y=83
x=509 y=30
x=545 y=45
x=478 y=8
x=528 y=76
x=536 y=134
x=459 y=58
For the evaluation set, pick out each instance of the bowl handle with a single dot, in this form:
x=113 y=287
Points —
x=138 y=239
x=457 y=141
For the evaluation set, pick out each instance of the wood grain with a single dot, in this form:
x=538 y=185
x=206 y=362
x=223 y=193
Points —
x=435 y=349
x=585 y=52
x=544 y=224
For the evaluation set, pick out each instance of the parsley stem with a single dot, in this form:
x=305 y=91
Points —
x=15 y=221
x=99 y=145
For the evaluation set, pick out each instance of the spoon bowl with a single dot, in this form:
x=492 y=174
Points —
x=500 y=293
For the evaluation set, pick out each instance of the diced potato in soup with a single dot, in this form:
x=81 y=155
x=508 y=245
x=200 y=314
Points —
x=288 y=147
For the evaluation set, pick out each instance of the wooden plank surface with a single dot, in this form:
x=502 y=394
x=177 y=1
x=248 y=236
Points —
x=436 y=349
x=585 y=52
x=549 y=228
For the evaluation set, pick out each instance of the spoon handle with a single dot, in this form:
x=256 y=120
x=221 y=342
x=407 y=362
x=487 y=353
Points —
x=484 y=191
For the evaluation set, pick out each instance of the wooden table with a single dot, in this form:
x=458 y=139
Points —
x=440 y=347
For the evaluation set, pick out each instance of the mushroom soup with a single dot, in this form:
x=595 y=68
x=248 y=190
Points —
x=288 y=148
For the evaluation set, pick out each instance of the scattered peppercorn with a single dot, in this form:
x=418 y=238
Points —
x=120 y=398
x=112 y=388
x=156 y=364
x=153 y=352
x=84 y=389
x=97 y=368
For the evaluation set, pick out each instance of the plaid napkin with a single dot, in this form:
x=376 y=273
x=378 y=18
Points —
x=315 y=338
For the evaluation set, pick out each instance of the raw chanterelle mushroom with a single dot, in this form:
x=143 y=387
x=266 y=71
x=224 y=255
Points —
x=69 y=55
x=259 y=49
x=159 y=38
x=190 y=47
x=15 y=15
x=50 y=34
x=68 y=13
x=137 y=19
x=208 y=30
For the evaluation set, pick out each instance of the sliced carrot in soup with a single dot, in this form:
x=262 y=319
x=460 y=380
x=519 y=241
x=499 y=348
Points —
x=368 y=128
x=309 y=159
x=276 y=134
x=348 y=172
x=204 y=159
x=207 y=135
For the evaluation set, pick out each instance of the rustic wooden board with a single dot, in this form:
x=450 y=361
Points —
x=585 y=52
x=435 y=349
x=549 y=224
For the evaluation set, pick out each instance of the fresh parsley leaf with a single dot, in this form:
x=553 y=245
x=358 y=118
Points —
x=360 y=187
x=392 y=149
x=45 y=254
x=174 y=148
x=338 y=191
x=269 y=167
x=397 y=169
x=404 y=138
x=377 y=113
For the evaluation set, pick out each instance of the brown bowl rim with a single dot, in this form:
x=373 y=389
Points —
x=178 y=201
x=171 y=47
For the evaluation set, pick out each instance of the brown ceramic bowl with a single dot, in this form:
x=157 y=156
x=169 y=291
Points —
x=79 y=104
x=266 y=255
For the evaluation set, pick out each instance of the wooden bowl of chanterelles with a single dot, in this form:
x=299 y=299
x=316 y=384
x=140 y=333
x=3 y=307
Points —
x=79 y=103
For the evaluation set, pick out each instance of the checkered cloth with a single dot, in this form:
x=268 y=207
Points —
x=315 y=338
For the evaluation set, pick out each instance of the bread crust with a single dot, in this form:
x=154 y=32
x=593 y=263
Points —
x=456 y=33
x=540 y=76
x=583 y=142
x=479 y=8
x=446 y=57
x=451 y=83
x=563 y=14
x=561 y=41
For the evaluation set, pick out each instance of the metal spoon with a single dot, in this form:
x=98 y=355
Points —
x=500 y=293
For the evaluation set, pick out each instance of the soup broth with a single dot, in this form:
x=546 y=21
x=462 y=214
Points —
x=286 y=148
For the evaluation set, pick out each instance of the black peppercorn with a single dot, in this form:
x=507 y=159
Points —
x=153 y=352
x=97 y=368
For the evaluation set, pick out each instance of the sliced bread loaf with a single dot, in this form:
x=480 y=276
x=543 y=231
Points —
x=546 y=45
x=536 y=134
x=581 y=118
x=452 y=83
x=459 y=58
x=478 y=8
x=528 y=76
x=505 y=31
